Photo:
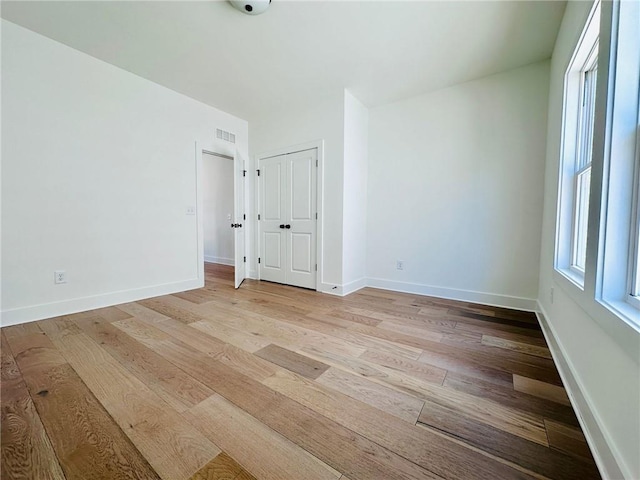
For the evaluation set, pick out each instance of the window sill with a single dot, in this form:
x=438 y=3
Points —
x=572 y=275
x=626 y=311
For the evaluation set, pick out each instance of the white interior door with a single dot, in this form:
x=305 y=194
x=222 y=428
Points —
x=272 y=219
x=288 y=218
x=301 y=208
x=239 y=221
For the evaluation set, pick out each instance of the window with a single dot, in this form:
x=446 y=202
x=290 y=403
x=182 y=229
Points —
x=597 y=251
x=584 y=150
x=617 y=269
x=581 y=81
x=634 y=264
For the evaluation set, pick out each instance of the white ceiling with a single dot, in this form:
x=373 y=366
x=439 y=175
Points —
x=298 y=51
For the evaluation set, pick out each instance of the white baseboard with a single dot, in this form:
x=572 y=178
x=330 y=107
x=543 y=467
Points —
x=506 y=301
x=66 y=307
x=221 y=260
x=354 y=286
x=517 y=303
x=331 y=289
x=607 y=458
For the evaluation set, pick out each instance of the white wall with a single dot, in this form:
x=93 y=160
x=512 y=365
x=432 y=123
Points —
x=217 y=212
x=606 y=379
x=455 y=189
x=293 y=127
x=354 y=225
x=98 y=169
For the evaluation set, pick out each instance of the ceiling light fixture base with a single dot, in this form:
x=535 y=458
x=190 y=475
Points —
x=251 y=7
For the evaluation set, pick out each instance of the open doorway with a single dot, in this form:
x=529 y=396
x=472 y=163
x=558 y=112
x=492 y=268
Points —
x=218 y=210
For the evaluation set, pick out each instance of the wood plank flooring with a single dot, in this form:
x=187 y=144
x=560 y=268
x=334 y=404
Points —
x=275 y=382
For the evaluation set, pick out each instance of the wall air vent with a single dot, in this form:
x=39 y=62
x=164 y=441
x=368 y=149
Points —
x=226 y=136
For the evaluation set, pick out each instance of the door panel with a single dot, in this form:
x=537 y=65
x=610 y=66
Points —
x=300 y=188
x=272 y=237
x=301 y=206
x=301 y=252
x=240 y=265
x=288 y=199
x=272 y=207
x=272 y=250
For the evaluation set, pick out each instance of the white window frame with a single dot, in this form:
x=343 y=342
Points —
x=580 y=219
x=612 y=265
x=576 y=153
x=617 y=222
x=633 y=289
x=583 y=156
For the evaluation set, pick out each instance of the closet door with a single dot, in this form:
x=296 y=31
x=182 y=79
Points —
x=301 y=206
x=288 y=218
x=273 y=219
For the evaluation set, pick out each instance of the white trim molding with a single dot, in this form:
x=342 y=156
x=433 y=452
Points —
x=354 y=286
x=221 y=260
x=493 y=299
x=606 y=456
x=331 y=289
x=343 y=290
x=66 y=307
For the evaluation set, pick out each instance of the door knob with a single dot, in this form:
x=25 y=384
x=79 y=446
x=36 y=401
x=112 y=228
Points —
x=282 y=226
x=287 y=226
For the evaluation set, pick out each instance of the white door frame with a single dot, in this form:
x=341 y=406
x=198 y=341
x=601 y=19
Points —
x=319 y=145
x=215 y=148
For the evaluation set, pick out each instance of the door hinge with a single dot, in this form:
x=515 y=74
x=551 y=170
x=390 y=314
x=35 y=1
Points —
x=244 y=216
x=244 y=259
x=258 y=259
x=316 y=215
x=258 y=216
x=316 y=267
x=316 y=162
x=258 y=172
x=244 y=173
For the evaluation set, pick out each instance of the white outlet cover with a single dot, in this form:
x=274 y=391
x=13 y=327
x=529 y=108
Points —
x=60 y=276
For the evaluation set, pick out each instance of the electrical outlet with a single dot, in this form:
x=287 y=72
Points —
x=551 y=294
x=399 y=265
x=60 y=276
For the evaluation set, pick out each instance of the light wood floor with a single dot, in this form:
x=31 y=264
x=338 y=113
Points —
x=275 y=382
